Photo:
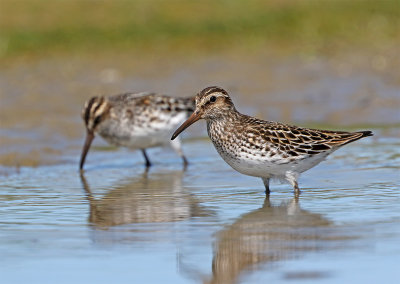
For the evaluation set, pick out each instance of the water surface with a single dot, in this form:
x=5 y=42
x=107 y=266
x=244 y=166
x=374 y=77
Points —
x=118 y=223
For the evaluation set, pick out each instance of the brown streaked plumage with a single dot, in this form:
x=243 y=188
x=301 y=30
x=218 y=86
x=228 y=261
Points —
x=261 y=148
x=135 y=120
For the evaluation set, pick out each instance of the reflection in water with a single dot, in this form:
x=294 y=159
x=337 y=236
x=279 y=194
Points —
x=160 y=198
x=268 y=234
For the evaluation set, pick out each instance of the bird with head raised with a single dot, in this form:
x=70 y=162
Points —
x=261 y=148
x=135 y=120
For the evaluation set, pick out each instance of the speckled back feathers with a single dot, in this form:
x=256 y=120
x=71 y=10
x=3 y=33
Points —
x=269 y=139
x=135 y=107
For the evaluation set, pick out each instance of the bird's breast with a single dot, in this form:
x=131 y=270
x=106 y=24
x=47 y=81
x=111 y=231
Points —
x=140 y=131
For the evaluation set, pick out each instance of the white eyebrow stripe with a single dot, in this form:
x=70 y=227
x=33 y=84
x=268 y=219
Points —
x=101 y=109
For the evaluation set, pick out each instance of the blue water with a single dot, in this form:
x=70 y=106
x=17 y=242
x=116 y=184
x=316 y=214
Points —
x=208 y=224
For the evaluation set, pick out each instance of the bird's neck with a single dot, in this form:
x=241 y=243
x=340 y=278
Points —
x=223 y=121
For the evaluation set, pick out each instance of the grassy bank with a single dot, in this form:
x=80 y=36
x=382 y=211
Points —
x=38 y=27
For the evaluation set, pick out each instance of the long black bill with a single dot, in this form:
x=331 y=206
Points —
x=192 y=119
x=86 y=146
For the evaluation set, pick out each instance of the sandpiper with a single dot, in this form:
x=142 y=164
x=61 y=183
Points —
x=135 y=120
x=261 y=148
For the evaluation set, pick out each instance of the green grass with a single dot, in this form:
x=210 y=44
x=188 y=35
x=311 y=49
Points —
x=43 y=26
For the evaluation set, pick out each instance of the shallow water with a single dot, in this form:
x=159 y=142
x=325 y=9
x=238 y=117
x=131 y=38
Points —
x=208 y=224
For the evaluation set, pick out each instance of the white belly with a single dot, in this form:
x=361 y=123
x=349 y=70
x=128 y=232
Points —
x=267 y=167
x=141 y=136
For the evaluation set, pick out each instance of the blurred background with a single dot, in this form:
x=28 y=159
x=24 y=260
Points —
x=326 y=63
x=332 y=64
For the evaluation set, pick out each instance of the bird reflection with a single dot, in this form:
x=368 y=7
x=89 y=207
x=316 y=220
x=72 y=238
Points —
x=160 y=198
x=268 y=234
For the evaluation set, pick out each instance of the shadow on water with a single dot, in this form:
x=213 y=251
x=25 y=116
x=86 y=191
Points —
x=268 y=235
x=156 y=199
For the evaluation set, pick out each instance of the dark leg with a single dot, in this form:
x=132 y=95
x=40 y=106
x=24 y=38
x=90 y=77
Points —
x=185 y=162
x=148 y=164
x=266 y=184
x=296 y=189
x=176 y=145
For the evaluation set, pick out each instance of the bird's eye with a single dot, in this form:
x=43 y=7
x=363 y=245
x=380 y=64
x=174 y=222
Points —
x=97 y=120
x=213 y=99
